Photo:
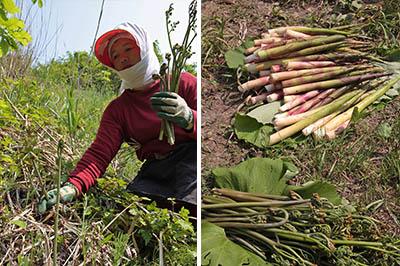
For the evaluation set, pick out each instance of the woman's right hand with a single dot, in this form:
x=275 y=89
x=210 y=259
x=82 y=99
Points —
x=172 y=107
x=68 y=193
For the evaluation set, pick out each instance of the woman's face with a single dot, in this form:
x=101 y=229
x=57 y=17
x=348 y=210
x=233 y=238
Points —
x=124 y=54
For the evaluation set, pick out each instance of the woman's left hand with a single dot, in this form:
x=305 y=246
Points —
x=172 y=107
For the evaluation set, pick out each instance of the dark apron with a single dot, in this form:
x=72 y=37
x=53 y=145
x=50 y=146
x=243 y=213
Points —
x=172 y=177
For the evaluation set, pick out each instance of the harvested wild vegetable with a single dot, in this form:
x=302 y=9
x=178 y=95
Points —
x=313 y=74
x=170 y=71
x=290 y=230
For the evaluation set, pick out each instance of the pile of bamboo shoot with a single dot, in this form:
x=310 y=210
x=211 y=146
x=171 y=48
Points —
x=320 y=75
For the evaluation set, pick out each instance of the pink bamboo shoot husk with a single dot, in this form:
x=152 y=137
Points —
x=299 y=100
x=255 y=83
x=310 y=103
x=307 y=65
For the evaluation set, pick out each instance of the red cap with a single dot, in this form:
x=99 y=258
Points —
x=101 y=47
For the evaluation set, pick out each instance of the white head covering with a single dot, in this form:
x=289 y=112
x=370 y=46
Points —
x=141 y=73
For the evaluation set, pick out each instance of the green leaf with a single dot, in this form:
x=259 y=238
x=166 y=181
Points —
x=260 y=175
x=10 y=6
x=234 y=58
x=146 y=235
x=323 y=189
x=22 y=37
x=248 y=129
x=356 y=115
x=14 y=24
x=394 y=55
x=23 y=260
x=107 y=238
x=3 y=15
x=265 y=113
x=249 y=42
x=3 y=47
x=218 y=250
x=19 y=223
x=291 y=170
x=267 y=176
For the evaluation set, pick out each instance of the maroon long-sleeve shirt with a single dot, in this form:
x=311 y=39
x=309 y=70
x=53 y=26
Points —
x=129 y=118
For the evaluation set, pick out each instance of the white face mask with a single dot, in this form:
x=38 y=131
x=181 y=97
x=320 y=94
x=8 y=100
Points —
x=141 y=73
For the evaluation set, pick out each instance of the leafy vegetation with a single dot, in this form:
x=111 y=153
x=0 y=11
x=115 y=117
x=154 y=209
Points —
x=64 y=100
x=170 y=71
x=12 y=32
x=286 y=224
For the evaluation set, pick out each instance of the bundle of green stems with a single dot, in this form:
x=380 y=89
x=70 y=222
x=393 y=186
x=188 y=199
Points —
x=297 y=231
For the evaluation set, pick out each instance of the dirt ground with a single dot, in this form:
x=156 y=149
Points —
x=218 y=148
x=225 y=24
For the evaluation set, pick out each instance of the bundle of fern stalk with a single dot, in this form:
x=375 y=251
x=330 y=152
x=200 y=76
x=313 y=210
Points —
x=171 y=70
x=320 y=76
x=290 y=230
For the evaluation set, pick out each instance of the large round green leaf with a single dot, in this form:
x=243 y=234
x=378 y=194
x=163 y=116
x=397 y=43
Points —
x=218 y=250
x=250 y=130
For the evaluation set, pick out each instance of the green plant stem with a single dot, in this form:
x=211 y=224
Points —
x=383 y=250
x=180 y=53
x=359 y=107
x=83 y=229
x=218 y=200
x=237 y=214
x=316 y=49
x=275 y=246
x=298 y=237
x=221 y=223
x=249 y=246
x=296 y=46
x=357 y=243
x=255 y=67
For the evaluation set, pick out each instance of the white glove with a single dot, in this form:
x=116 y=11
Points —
x=172 y=107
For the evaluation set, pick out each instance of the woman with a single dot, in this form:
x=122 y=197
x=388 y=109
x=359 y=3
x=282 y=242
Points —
x=169 y=171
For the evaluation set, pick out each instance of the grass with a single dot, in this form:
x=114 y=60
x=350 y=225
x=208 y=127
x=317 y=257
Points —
x=108 y=226
x=362 y=162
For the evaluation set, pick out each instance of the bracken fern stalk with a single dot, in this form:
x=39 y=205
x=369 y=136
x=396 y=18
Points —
x=179 y=54
x=59 y=153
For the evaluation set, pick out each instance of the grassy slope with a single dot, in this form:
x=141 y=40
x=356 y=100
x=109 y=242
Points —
x=363 y=162
x=108 y=225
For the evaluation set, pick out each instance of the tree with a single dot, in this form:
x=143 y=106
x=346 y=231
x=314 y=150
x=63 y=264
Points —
x=12 y=33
